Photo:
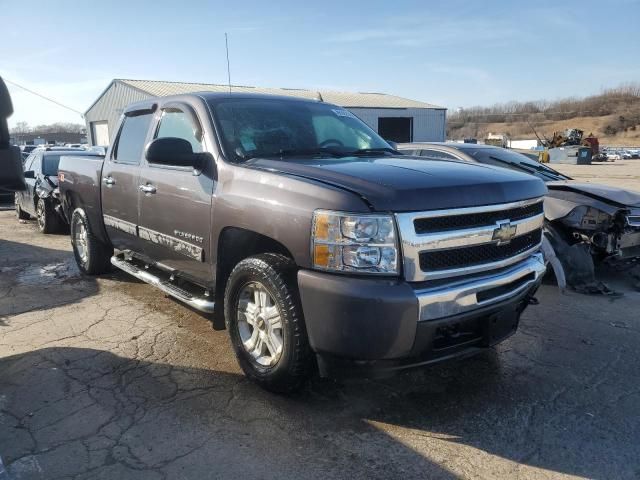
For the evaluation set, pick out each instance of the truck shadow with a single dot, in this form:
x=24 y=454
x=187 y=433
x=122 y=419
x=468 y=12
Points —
x=37 y=278
x=72 y=411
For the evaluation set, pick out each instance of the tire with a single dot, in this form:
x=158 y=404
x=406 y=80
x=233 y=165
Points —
x=288 y=367
x=92 y=256
x=47 y=219
x=20 y=214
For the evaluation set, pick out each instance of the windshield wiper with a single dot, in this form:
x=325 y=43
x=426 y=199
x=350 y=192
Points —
x=309 y=151
x=527 y=168
x=547 y=171
x=365 y=151
x=291 y=153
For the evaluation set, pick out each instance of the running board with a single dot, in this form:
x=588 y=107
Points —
x=199 y=303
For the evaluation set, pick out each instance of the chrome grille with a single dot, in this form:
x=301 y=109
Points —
x=449 y=243
x=477 y=255
x=473 y=220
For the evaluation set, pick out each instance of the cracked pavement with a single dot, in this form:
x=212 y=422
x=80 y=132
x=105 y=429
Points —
x=104 y=378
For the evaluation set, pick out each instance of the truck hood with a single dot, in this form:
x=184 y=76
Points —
x=604 y=193
x=412 y=183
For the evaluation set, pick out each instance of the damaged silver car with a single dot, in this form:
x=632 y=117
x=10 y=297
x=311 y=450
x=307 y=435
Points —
x=585 y=223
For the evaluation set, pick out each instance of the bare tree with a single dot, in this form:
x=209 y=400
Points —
x=21 y=128
x=623 y=100
x=59 y=127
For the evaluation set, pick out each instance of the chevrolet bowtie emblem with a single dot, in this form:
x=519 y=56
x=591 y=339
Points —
x=504 y=233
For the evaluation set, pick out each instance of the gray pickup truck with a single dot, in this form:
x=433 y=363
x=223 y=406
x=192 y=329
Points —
x=306 y=235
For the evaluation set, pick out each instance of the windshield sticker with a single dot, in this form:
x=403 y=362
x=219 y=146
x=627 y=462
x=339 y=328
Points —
x=343 y=113
x=247 y=143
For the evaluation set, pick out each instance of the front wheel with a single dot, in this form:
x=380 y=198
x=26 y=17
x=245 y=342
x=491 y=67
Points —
x=265 y=322
x=92 y=256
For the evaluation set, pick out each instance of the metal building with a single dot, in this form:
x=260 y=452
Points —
x=394 y=118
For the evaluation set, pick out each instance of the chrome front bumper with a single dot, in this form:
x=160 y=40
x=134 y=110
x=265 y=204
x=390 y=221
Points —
x=463 y=296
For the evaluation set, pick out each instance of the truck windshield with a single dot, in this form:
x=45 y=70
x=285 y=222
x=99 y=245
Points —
x=50 y=165
x=266 y=128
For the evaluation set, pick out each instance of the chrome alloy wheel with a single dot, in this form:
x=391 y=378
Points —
x=80 y=240
x=260 y=324
x=40 y=213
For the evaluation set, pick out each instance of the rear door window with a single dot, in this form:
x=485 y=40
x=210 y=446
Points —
x=132 y=138
x=50 y=165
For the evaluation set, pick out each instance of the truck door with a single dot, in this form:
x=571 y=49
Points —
x=175 y=204
x=120 y=180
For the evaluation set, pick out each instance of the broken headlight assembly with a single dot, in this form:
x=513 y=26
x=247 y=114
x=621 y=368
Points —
x=588 y=218
x=356 y=243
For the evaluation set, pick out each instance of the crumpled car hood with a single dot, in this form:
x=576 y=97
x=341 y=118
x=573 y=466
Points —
x=564 y=196
x=620 y=196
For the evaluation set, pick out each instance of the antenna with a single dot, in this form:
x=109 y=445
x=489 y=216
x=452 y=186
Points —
x=226 y=44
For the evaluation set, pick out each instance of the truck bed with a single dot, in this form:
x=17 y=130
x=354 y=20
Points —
x=80 y=184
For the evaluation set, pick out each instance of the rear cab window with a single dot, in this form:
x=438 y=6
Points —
x=132 y=138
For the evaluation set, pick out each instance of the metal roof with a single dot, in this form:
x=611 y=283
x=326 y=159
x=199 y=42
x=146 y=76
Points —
x=344 y=99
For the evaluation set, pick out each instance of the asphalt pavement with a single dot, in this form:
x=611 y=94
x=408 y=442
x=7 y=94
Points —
x=106 y=378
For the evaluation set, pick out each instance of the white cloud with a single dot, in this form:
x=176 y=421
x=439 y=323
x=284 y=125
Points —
x=425 y=31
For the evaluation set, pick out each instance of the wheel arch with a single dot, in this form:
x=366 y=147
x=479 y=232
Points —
x=234 y=245
x=72 y=200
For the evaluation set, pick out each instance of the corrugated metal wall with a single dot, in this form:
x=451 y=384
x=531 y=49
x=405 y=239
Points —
x=429 y=124
x=110 y=106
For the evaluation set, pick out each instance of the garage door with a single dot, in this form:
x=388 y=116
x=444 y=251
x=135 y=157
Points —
x=100 y=133
x=396 y=129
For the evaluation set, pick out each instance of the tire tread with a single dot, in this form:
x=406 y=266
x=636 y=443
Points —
x=99 y=254
x=281 y=271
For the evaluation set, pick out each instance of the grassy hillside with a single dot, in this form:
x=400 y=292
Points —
x=613 y=116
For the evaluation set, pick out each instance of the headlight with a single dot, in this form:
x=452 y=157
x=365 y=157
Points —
x=354 y=243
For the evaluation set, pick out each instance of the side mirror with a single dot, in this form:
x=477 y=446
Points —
x=29 y=174
x=172 y=151
x=392 y=144
x=11 y=177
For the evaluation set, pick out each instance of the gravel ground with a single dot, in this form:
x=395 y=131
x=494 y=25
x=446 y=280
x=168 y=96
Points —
x=104 y=378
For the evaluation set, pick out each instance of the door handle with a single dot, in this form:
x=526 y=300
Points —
x=109 y=180
x=148 y=188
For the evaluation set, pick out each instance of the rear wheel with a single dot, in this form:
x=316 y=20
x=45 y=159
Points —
x=265 y=322
x=92 y=256
x=21 y=214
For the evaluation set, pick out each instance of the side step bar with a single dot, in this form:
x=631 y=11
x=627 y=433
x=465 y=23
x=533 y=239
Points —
x=199 y=303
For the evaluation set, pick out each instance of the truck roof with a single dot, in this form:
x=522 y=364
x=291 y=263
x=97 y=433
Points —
x=213 y=97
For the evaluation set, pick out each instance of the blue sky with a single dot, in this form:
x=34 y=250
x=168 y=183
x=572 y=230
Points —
x=450 y=53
